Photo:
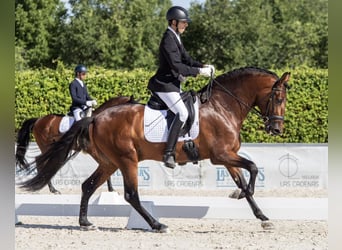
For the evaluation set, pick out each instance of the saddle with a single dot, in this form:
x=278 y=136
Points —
x=87 y=112
x=68 y=120
x=189 y=98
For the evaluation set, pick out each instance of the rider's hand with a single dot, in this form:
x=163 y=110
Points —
x=94 y=102
x=89 y=103
x=181 y=78
x=205 y=72
x=211 y=67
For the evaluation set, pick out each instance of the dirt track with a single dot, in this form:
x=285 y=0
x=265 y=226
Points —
x=64 y=233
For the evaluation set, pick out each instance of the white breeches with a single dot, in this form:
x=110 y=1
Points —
x=175 y=103
x=77 y=114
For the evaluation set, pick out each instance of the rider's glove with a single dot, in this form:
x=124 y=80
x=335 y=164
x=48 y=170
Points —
x=211 y=67
x=205 y=72
x=181 y=78
x=89 y=103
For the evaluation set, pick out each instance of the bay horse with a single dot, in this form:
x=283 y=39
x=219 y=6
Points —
x=115 y=139
x=46 y=131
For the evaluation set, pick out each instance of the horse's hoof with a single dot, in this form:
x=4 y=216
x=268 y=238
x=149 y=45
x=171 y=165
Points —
x=88 y=228
x=267 y=225
x=235 y=194
x=56 y=192
x=242 y=195
x=162 y=229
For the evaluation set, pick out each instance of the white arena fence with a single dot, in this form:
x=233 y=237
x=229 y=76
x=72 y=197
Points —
x=292 y=166
x=286 y=166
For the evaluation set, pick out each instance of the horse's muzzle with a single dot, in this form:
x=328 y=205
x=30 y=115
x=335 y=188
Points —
x=274 y=128
x=274 y=125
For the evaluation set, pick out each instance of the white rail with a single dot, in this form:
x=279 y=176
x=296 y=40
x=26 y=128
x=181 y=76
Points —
x=112 y=204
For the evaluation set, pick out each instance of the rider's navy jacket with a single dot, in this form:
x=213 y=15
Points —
x=79 y=95
x=173 y=60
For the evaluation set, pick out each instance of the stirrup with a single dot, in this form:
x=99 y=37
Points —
x=169 y=160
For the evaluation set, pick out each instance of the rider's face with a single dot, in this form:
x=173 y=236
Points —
x=82 y=75
x=182 y=26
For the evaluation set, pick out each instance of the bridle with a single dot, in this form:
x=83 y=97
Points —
x=270 y=103
x=267 y=117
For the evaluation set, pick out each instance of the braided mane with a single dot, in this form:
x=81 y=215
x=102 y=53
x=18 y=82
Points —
x=243 y=71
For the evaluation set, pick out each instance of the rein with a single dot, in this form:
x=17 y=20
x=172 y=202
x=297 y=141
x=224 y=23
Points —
x=237 y=98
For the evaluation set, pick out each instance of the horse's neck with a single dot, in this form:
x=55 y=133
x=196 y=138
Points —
x=236 y=101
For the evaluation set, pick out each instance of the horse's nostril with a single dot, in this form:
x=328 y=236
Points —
x=276 y=131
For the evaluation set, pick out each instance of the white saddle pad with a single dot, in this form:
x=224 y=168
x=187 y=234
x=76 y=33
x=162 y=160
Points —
x=66 y=123
x=155 y=125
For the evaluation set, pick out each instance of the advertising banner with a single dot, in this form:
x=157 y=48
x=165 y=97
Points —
x=280 y=166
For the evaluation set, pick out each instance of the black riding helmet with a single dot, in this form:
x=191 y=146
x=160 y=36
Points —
x=177 y=13
x=80 y=69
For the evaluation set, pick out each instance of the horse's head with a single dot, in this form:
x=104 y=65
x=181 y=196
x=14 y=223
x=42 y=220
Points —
x=249 y=87
x=275 y=108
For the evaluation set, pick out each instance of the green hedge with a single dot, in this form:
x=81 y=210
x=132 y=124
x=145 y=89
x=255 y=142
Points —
x=45 y=91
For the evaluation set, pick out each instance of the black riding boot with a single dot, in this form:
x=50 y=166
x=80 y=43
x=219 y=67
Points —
x=169 y=154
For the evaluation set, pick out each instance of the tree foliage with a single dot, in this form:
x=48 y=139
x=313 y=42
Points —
x=45 y=91
x=113 y=34
x=125 y=34
x=36 y=22
x=266 y=33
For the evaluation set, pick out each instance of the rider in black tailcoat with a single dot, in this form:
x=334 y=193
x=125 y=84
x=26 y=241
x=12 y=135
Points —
x=175 y=65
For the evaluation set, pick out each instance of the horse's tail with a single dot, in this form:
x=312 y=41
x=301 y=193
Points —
x=23 y=140
x=58 y=153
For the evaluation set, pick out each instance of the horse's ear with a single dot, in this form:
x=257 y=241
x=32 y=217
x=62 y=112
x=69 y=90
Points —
x=285 y=77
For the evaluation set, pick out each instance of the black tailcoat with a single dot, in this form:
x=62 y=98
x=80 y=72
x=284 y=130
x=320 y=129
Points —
x=173 y=61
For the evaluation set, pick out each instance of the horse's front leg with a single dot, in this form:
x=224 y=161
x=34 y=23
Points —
x=240 y=181
x=234 y=165
x=253 y=173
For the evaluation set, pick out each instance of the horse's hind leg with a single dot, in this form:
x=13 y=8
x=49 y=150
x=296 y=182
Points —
x=132 y=197
x=43 y=144
x=52 y=188
x=89 y=186
x=110 y=185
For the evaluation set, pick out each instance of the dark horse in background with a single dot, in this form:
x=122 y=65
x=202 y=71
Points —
x=115 y=139
x=46 y=131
